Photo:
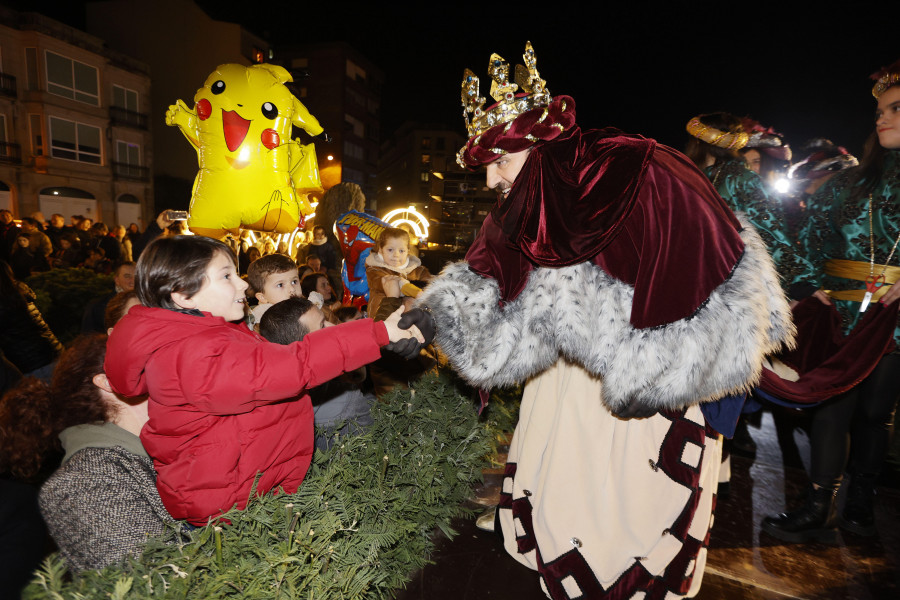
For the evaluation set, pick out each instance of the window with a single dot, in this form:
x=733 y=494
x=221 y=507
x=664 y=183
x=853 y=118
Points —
x=355 y=72
x=31 y=69
x=426 y=159
x=128 y=154
x=125 y=98
x=424 y=176
x=72 y=79
x=37 y=137
x=74 y=141
x=440 y=143
x=358 y=127
x=354 y=151
x=3 y=138
x=426 y=143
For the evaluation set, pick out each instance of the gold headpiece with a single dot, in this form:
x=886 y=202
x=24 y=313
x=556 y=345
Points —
x=721 y=139
x=509 y=105
x=887 y=77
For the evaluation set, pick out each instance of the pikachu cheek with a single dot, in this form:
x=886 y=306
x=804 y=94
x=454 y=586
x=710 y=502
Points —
x=270 y=139
x=204 y=109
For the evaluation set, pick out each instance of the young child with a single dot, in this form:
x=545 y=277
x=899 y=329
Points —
x=272 y=278
x=390 y=269
x=340 y=406
x=218 y=413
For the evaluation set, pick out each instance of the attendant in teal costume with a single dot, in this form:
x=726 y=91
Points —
x=717 y=137
x=854 y=217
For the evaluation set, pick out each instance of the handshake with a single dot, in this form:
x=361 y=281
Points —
x=409 y=331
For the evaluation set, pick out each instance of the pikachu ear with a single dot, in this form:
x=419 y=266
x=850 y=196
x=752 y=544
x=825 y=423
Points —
x=280 y=74
x=304 y=120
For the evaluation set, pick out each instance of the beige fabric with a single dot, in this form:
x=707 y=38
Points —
x=589 y=476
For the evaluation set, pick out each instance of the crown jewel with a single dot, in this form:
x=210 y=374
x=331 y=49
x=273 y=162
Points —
x=885 y=78
x=509 y=104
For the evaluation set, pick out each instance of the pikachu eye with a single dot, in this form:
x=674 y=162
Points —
x=269 y=111
x=218 y=87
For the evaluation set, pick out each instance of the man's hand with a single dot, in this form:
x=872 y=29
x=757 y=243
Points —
x=162 y=220
x=421 y=320
x=823 y=297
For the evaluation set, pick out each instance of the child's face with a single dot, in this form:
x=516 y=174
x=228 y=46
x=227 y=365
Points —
x=394 y=252
x=314 y=319
x=280 y=286
x=222 y=294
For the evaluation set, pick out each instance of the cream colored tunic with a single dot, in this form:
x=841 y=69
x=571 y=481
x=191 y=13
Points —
x=613 y=503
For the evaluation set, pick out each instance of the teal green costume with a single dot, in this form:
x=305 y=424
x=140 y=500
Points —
x=743 y=190
x=838 y=228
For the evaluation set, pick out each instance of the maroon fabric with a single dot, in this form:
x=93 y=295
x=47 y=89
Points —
x=830 y=363
x=642 y=212
x=479 y=150
x=217 y=415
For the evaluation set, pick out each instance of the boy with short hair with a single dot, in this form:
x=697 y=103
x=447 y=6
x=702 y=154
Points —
x=340 y=406
x=272 y=278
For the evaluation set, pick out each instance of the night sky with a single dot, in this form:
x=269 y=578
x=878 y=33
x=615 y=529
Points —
x=645 y=69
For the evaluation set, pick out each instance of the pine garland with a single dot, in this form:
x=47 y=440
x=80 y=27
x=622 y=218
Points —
x=358 y=527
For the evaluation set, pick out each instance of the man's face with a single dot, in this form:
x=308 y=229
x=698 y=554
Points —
x=314 y=319
x=319 y=233
x=57 y=221
x=314 y=263
x=5 y=217
x=503 y=172
x=280 y=286
x=124 y=278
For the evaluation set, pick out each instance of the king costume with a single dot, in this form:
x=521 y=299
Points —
x=612 y=277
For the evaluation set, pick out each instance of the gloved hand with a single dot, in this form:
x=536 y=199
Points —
x=407 y=348
x=421 y=319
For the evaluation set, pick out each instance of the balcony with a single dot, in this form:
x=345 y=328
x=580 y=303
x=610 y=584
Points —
x=10 y=153
x=123 y=116
x=126 y=171
x=7 y=85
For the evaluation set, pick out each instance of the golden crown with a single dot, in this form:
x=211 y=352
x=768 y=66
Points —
x=509 y=104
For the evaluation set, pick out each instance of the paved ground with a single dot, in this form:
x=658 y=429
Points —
x=743 y=562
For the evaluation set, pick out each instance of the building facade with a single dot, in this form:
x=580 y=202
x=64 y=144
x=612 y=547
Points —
x=418 y=168
x=73 y=124
x=342 y=89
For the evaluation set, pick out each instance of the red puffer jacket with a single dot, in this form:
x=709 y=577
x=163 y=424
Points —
x=224 y=402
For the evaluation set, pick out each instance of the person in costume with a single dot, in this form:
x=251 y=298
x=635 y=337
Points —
x=821 y=160
x=716 y=140
x=612 y=279
x=851 y=240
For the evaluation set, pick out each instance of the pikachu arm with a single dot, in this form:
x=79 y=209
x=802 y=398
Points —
x=304 y=120
x=179 y=115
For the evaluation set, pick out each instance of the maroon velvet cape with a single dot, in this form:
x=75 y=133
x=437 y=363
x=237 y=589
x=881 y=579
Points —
x=640 y=211
x=828 y=362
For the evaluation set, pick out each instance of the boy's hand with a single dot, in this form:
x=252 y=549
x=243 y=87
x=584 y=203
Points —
x=397 y=333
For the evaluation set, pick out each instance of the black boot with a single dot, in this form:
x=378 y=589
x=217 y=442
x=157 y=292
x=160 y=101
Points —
x=814 y=522
x=859 y=515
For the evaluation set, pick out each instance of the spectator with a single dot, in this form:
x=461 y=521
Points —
x=323 y=249
x=8 y=233
x=93 y=319
x=101 y=504
x=56 y=230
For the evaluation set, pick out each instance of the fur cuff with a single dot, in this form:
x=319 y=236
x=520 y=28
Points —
x=582 y=313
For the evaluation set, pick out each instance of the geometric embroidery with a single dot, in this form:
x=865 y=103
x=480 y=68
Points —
x=570 y=571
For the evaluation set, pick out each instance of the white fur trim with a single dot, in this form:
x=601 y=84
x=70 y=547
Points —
x=582 y=313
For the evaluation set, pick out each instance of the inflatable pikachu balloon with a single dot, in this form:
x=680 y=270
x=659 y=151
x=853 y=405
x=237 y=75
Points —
x=252 y=174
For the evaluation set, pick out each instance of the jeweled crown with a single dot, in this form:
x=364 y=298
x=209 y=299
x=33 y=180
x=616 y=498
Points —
x=509 y=105
x=885 y=78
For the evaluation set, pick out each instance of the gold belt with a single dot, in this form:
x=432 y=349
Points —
x=858 y=270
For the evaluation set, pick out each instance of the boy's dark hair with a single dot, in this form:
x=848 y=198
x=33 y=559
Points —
x=115 y=309
x=174 y=264
x=391 y=233
x=345 y=313
x=281 y=323
x=270 y=264
x=309 y=282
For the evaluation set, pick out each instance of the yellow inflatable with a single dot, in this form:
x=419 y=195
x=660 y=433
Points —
x=252 y=174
